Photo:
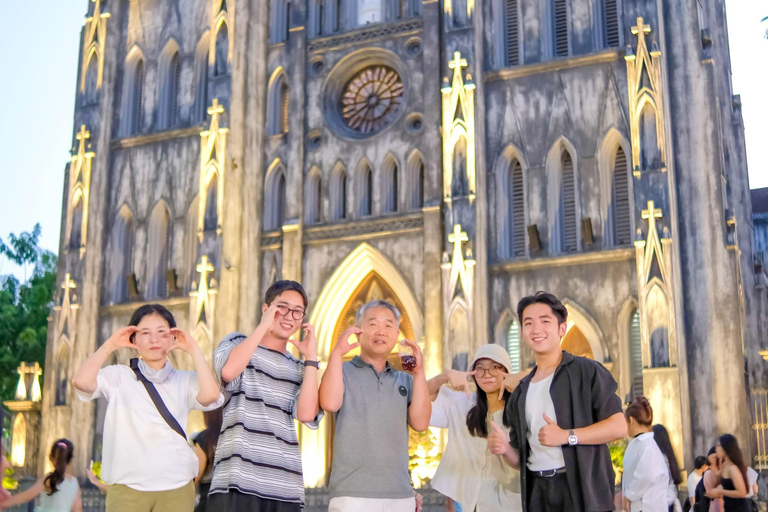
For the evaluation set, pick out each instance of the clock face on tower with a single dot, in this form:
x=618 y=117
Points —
x=372 y=99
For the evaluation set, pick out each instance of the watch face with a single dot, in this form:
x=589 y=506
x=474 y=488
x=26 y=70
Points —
x=572 y=440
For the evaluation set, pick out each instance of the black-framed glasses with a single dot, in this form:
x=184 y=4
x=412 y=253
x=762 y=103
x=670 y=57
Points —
x=493 y=371
x=296 y=314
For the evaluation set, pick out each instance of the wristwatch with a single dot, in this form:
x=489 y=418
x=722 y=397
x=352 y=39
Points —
x=316 y=364
x=572 y=439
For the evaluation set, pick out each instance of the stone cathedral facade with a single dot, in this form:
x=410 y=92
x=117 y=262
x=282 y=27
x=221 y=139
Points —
x=451 y=156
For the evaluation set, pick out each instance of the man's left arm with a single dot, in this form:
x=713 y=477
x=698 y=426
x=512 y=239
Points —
x=308 y=402
x=420 y=408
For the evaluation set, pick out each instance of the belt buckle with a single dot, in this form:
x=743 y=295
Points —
x=548 y=473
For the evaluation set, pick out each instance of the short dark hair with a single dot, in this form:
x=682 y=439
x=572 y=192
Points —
x=542 y=297
x=152 y=309
x=282 y=286
x=700 y=462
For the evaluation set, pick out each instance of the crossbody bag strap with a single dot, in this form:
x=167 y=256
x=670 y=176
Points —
x=157 y=399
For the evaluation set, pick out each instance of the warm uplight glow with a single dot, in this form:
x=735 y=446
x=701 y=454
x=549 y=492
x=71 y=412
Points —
x=19 y=441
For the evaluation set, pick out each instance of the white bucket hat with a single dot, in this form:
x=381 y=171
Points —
x=495 y=353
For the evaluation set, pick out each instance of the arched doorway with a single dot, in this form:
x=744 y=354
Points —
x=576 y=343
x=365 y=274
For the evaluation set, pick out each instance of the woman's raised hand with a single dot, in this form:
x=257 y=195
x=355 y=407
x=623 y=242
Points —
x=184 y=342
x=121 y=339
x=459 y=381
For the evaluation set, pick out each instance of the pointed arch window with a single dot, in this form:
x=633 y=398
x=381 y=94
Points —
x=122 y=255
x=339 y=195
x=314 y=198
x=275 y=200
x=513 y=345
x=201 y=78
x=567 y=226
x=515 y=211
x=132 y=118
x=620 y=203
x=610 y=15
x=169 y=90
x=221 y=64
x=158 y=251
x=277 y=109
x=635 y=356
x=390 y=177
x=366 y=191
x=415 y=182
x=512 y=32
x=560 y=28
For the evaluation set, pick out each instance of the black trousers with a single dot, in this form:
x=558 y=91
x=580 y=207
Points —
x=550 y=494
x=234 y=501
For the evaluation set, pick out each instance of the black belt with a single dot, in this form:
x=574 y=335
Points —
x=549 y=473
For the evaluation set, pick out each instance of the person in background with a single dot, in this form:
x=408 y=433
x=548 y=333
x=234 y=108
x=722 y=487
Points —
x=59 y=491
x=205 y=449
x=700 y=465
x=732 y=476
x=661 y=436
x=468 y=473
x=645 y=479
x=708 y=482
x=752 y=487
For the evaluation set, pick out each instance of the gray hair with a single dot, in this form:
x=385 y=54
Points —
x=377 y=304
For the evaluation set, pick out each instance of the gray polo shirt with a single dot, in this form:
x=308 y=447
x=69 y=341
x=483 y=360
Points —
x=370 y=445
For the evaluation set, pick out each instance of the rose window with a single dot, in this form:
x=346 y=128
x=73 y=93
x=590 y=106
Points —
x=372 y=99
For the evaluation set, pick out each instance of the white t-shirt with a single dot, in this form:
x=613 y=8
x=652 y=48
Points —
x=537 y=403
x=468 y=473
x=751 y=480
x=140 y=450
x=646 y=475
x=693 y=481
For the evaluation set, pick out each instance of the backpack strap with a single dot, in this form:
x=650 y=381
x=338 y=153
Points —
x=157 y=399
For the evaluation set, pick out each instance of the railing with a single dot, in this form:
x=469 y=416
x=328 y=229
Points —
x=760 y=428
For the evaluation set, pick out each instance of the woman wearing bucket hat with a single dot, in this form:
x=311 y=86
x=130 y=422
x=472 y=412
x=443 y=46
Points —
x=468 y=473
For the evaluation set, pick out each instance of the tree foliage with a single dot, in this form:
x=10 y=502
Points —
x=24 y=307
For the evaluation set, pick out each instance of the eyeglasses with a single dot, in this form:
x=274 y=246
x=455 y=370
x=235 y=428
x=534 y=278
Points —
x=296 y=314
x=493 y=371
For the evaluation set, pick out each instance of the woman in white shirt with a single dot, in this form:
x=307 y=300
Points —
x=146 y=462
x=468 y=473
x=645 y=478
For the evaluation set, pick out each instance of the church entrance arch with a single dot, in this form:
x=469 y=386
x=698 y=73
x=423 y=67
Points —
x=364 y=275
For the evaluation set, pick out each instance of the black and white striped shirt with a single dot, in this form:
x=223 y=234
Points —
x=258 y=449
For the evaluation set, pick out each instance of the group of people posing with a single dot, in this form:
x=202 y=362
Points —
x=533 y=441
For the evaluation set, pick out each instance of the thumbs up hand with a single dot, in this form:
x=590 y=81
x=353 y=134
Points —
x=552 y=435
x=498 y=440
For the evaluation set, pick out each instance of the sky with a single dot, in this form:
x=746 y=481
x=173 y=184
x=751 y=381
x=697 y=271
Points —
x=38 y=93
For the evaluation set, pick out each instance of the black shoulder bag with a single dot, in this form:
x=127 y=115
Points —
x=157 y=399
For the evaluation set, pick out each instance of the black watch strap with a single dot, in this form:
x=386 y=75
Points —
x=316 y=364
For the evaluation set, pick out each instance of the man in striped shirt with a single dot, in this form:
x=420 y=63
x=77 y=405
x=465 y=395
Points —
x=257 y=467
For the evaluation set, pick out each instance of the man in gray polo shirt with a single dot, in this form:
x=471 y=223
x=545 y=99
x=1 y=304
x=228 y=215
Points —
x=373 y=405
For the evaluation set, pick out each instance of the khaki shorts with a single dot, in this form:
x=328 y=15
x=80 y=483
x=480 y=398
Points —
x=121 y=498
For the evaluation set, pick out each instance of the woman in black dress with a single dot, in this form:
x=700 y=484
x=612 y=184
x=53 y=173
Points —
x=732 y=475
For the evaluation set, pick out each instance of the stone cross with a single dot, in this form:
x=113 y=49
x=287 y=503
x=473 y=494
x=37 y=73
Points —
x=640 y=30
x=651 y=214
x=457 y=63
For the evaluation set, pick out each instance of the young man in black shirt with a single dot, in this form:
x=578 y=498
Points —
x=561 y=416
